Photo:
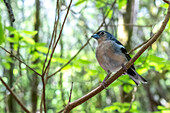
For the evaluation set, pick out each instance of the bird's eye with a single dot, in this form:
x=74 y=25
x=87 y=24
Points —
x=101 y=33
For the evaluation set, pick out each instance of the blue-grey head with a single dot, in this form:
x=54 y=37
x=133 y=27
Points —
x=103 y=36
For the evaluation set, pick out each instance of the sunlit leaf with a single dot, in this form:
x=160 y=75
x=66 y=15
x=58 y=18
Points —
x=164 y=5
x=2 y=34
x=12 y=40
x=6 y=65
x=42 y=49
x=127 y=88
x=121 y=3
x=83 y=61
x=66 y=67
x=32 y=33
x=11 y=29
x=60 y=60
x=155 y=58
x=28 y=40
x=142 y=70
x=100 y=4
x=80 y=2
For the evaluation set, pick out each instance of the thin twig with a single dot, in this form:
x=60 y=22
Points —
x=15 y=97
x=167 y=1
x=43 y=94
x=83 y=45
x=54 y=33
x=133 y=25
x=121 y=71
x=132 y=100
x=11 y=14
x=137 y=47
x=20 y=61
x=58 y=37
x=70 y=92
x=70 y=59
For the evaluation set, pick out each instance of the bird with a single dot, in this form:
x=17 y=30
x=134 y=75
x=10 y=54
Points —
x=112 y=55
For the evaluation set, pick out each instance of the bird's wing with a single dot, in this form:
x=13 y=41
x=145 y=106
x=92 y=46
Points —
x=127 y=56
x=123 y=50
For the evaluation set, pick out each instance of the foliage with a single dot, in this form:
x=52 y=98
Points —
x=84 y=18
x=2 y=39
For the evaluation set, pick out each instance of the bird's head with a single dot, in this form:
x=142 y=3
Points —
x=102 y=36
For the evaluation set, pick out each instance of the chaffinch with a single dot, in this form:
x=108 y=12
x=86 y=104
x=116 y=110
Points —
x=112 y=55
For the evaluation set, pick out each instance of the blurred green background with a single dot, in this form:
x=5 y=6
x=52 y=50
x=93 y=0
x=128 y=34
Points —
x=131 y=21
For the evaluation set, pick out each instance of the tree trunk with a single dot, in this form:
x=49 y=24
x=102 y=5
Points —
x=11 y=100
x=129 y=17
x=35 y=81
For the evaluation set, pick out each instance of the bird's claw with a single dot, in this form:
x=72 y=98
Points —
x=124 y=67
x=103 y=84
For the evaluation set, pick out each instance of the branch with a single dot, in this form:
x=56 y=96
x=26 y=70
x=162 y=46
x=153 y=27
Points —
x=167 y=1
x=70 y=59
x=132 y=100
x=133 y=25
x=11 y=14
x=83 y=45
x=43 y=94
x=70 y=92
x=15 y=97
x=81 y=100
x=58 y=38
x=138 y=46
x=54 y=32
x=20 y=61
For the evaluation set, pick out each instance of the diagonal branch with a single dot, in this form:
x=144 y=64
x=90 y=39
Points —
x=20 y=61
x=94 y=92
x=15 y=97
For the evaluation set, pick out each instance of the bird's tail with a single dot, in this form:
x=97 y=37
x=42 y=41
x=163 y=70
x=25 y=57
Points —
x=135 y=76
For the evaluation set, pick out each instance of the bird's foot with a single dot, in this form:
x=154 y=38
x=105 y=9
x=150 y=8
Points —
x=104 y=81
x=124 y=67
x=103 y=84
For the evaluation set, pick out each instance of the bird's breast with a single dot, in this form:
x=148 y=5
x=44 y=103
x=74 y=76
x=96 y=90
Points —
x=108 y=58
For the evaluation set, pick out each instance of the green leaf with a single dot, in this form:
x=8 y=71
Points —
x=40 y=44
x=111 y=108
x=155 y=58
x=82 y=61
x=110 y=14
x=121 y=3
x=127 y=88
x=100 y=4
x=32 y=33
x=2 y=34
x=11 y=29
x=142 y=70
x=12 y=40
x=28 y=40
x=80 y=2
x=66 y=67
x=164 y=5
x=59 y=60
x=42 y=49
x=6 y=65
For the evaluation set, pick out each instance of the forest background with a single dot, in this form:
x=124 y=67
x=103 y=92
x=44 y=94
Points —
x=47 y=55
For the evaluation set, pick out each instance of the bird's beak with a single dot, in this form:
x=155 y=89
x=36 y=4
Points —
x=96 y=36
